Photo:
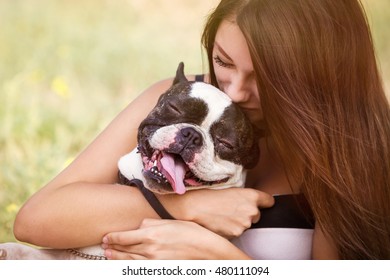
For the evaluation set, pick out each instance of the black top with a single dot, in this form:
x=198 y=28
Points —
x=289 y=211
x=199 y=78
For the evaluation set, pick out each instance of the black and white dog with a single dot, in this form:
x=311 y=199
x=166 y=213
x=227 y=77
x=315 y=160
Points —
x=195 y=137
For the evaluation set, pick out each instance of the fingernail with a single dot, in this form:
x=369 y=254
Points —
x=105 y=239
x=108 y=254
x=104 y=245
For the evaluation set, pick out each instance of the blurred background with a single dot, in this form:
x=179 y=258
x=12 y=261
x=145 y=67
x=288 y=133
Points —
x=67 y=68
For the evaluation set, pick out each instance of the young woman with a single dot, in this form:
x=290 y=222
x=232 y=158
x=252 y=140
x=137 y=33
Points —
x=305 y=72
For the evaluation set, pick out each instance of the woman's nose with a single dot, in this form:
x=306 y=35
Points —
x=238 y=91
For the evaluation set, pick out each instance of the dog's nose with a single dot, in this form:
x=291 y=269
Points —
x=192 y=137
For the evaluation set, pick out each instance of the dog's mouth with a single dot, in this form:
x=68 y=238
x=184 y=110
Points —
x=170 y=169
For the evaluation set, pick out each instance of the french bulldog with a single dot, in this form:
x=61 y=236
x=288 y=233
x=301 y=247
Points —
x=195 y=137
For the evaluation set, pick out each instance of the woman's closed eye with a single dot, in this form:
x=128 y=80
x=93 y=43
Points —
x=222 y=63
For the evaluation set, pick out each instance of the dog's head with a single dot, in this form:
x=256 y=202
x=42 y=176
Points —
x=195 y=137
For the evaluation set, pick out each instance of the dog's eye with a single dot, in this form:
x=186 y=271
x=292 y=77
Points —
x=174 y=108
x=225 y=143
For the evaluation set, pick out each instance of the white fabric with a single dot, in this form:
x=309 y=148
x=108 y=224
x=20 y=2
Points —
x=276 y=243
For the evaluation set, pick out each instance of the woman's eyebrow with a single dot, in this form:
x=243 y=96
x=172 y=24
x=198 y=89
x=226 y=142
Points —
x=220 y=49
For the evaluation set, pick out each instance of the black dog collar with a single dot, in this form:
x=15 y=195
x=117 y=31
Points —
x=149 y=196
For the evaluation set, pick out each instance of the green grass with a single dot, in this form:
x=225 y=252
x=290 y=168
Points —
x=378 y=13
x=68 y=67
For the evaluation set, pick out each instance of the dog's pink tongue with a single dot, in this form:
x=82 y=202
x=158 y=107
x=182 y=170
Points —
x=175 y=172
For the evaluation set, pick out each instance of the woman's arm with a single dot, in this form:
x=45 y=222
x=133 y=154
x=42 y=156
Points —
x=83 y=202
x=167 y=239
x=323 y=247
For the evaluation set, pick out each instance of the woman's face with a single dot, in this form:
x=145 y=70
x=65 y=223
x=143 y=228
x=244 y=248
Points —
x=234 y=70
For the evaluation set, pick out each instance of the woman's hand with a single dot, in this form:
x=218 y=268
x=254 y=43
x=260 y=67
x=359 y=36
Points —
x=227 y=212
x=169 y=239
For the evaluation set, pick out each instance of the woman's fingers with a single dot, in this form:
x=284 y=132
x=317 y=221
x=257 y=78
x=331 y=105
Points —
x=131 y=244
x=125 y=245
x=265 y=200
x=112 y=254
x=153 y=222
x=256 y=217
x=126 y=238
x=132 y=237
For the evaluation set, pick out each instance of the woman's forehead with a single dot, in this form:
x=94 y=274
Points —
x=231 y=43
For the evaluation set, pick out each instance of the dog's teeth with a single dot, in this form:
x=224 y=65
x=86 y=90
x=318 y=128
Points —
x=160 y=177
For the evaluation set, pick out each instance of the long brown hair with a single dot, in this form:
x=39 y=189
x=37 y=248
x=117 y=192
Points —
x=325 y=110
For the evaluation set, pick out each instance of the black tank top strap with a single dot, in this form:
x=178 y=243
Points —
x=199 y=78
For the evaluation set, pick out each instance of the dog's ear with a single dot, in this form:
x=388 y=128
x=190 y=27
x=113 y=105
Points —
x=180 y=77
